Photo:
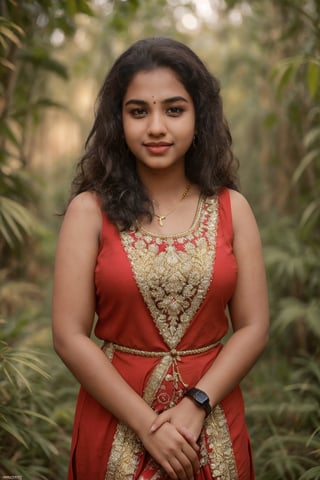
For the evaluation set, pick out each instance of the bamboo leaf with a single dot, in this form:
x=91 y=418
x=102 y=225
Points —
x=283 y=72
x=7 y=131
x=313 y=315
x=40 y=58
x=291 y=311
x=5 y=22
x=9 y=220
x=15 y=220
x=31 y=413
x=40 y=103
x=21 y=376
x=311 y=474
x=3 y=43
x=6 y=235
x=6 y=32
x=305 y=162
x=7 y=374
x=48 y=448
x=313 y=78
x=5 y=63
x=8 y=427
x=83 y=7
x=285 y=77
x=311 y=137
x=33 y=367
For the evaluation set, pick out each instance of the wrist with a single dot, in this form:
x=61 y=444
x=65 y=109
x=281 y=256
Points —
x=193 y=409
x=141 y=424
x=200 y=399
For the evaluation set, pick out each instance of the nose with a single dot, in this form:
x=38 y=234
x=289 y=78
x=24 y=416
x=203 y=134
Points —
x=156 y=125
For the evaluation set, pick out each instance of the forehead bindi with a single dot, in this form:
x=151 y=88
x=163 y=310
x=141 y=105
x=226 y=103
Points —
x=155 y=86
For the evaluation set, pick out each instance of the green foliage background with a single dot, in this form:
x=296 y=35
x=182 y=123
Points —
x=267 y=55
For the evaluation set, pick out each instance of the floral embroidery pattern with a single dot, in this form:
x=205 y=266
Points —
x=127 y=450
x=174 y=273
x=216 y=447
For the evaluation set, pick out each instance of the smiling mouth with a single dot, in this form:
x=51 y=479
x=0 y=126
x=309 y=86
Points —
x=157 y=148
x=157 y=144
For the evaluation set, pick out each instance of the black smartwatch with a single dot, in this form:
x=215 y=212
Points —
x=200 y=398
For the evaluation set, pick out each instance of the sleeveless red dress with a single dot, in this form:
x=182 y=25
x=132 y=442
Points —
x=161 y=304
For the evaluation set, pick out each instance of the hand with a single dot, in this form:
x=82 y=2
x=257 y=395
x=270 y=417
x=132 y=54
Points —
x=176 y=451
x=187 y=417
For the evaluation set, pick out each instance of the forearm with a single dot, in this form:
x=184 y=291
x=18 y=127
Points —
x=233 y=363
x=98 y=376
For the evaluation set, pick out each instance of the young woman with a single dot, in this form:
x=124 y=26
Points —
x=158 y=243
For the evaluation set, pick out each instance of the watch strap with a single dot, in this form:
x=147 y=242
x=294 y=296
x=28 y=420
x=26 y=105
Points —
x=200 y=398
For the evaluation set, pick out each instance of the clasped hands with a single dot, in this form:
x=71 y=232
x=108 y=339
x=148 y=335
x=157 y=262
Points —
x=172 y=440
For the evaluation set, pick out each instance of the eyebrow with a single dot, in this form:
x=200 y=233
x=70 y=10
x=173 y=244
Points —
x=137 y=101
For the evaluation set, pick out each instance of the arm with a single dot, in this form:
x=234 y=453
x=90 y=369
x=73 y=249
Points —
x=248 y=308
x=249 y=316
x=73 y=315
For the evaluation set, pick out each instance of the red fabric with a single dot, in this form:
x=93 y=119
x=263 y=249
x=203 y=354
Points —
x=123 y=318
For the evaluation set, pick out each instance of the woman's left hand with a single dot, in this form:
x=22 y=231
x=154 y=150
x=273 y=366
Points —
x=187 y=417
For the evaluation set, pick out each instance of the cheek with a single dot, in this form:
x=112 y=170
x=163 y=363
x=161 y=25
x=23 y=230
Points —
x=131 y=127
x=128 y=131
x=188 y=132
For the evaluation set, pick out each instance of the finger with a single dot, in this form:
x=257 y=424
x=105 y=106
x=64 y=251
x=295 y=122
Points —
x=192 y=465
x=191 y=439
x=158 y=422
x=169 y=471
x=182 y=471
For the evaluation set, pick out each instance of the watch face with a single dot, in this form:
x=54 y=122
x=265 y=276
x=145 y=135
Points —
x=201 y=397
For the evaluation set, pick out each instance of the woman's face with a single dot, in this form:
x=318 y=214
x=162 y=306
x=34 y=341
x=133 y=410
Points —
x=158 y=118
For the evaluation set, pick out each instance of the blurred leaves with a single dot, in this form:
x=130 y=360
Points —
x=16 y=221
x=285 y=71
x=30 y=434
x=284 y=391
x=40 y=58
x=267 y=54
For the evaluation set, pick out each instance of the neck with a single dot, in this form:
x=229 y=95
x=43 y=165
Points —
x=164 y=187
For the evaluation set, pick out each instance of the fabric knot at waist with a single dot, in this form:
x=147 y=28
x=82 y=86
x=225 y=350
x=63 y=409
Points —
x=173 y=353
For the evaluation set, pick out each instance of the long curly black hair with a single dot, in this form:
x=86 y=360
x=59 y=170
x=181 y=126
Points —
x=109 y=168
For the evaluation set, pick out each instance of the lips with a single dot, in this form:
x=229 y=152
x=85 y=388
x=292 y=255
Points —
x=157 y=148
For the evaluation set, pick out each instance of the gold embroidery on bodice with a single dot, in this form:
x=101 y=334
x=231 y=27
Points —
x=173 y=273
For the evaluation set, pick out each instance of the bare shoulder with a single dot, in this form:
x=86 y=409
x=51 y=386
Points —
x=85 y=205
x=83 y=215
x=242 y=214
x=238 y=202
x=85 y=202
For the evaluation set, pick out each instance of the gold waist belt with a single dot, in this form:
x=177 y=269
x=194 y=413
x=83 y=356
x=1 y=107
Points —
x=175 y=357
x=175 y=354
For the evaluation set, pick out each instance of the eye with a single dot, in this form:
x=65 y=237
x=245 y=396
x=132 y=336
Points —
x=138 y=112
x=175 y=111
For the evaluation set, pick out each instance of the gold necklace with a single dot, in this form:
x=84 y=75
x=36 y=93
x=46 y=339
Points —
x=162 y=218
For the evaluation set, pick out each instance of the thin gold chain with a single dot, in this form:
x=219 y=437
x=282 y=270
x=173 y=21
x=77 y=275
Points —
x=161 y=218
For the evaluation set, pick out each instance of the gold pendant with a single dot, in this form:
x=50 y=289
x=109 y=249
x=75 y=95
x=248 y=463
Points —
x=160 y=219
